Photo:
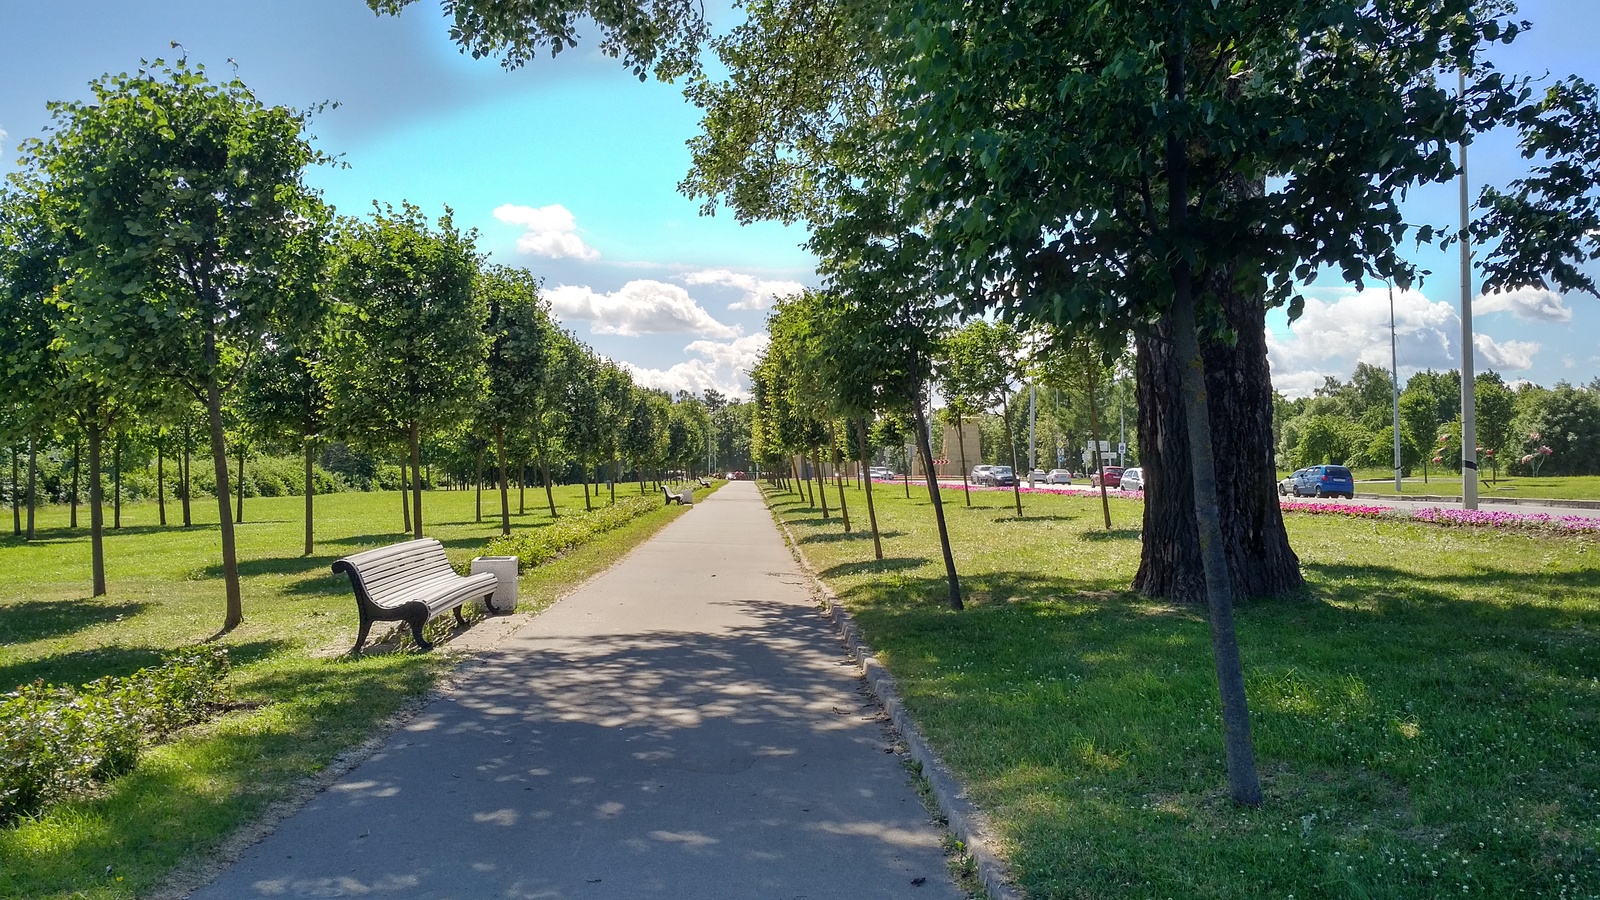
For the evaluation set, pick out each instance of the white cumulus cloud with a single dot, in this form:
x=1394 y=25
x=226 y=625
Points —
x=723 y=365
x=1527 y=303
x=551 y=231
x=639 y=307
x=1511 y=356
x=1342 y=326
x=759 y=293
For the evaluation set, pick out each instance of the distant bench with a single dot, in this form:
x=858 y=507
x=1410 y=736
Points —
x=685 y=496
x=410 y=582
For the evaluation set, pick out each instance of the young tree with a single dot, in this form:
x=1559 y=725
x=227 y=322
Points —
x=986 y=361
x=523 y=346
x=406 y=344
x=31 y=253
x=185 y=197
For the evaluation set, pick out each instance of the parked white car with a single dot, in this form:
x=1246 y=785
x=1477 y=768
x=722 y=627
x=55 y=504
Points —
x=1132 y=479
x=1058 y=476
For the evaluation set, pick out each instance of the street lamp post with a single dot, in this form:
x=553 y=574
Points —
x=1394 y=378
x=1469 y=437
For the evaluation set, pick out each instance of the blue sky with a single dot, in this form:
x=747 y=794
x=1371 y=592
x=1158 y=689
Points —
x=570 y=166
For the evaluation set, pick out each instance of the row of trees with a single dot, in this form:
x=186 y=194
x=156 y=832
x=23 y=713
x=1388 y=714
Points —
x=814 y=402
x=164 y=265
x=1163 y=176
x=1351 y=422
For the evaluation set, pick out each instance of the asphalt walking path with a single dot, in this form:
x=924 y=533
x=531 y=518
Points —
x=686 y=725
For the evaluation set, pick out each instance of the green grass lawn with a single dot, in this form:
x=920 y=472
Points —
x=1574 y=487
x=301 y=701
x=1426 y=715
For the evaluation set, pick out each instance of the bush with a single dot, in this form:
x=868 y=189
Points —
x=56 y=741
x=533 y=548
x=267 y=476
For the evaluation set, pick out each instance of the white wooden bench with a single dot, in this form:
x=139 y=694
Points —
x=410 y=582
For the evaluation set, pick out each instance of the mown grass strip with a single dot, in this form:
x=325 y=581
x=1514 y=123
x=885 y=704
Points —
x=1427 y=713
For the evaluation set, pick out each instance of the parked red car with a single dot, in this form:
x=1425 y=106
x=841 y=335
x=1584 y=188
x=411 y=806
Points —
x=1111 y=475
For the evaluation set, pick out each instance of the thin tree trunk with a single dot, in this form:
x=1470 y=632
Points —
x=16 y=492
x=614 y=474
x=1244 y=785
x=872 y=513
x=505 y=490
x=97 y=516
x=549 y=490
x=416 y=480
x=219 y=460
x=925 y=445
x=311 y=490
x=1091 y=375
x=73 y=521
x=586 y=505
x=838 y=477
x=33 y=479
x=477 y=484
x=961 y=447
x=405 y=495
x=238 y=513
x=522 y=487
x=161 y=483
x=116 y=482
x=1011 y=441
x=822 y=486
x=188 y=518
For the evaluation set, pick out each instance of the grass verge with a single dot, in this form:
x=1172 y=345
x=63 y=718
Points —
x=300 y=703
x=1426 y=714
x=1574 y=487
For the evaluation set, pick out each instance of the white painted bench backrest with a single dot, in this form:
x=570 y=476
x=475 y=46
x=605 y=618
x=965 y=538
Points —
x=389 y=573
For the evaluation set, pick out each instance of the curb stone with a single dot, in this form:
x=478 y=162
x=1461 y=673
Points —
x=965 y=821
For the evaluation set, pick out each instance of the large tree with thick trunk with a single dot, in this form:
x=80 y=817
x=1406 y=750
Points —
x=1239 y=389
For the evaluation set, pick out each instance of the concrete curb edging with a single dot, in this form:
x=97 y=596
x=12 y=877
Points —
x=965 y=820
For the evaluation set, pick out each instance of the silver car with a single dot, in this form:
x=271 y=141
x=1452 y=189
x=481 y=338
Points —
x=1132 y=479
x=1058 y=476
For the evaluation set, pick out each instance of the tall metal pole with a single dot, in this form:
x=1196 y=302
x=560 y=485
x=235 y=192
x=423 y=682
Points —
x=1469 y=431
x=1394 y=377
x=1033 y=419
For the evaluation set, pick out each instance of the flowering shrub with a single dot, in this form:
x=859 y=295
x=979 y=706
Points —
x=55 y=741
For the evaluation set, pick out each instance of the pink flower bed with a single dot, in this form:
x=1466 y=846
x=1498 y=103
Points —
x=1499 y=519
x=1433 y=515
x=1336 y=509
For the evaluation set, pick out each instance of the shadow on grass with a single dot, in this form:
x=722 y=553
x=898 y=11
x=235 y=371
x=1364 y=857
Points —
x=1028 y=516
x=32 y=620
x=887 y=564
x=1115 y=534
x=858 y=534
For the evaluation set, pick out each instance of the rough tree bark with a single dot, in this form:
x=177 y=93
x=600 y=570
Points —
x=1239 y=398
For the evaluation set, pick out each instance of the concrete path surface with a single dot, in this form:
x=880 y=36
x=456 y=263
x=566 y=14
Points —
x=687 y=725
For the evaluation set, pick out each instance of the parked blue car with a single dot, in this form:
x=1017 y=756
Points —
x=1324 y=481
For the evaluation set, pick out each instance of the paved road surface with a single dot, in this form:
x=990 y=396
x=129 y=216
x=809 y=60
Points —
x=685 y=726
